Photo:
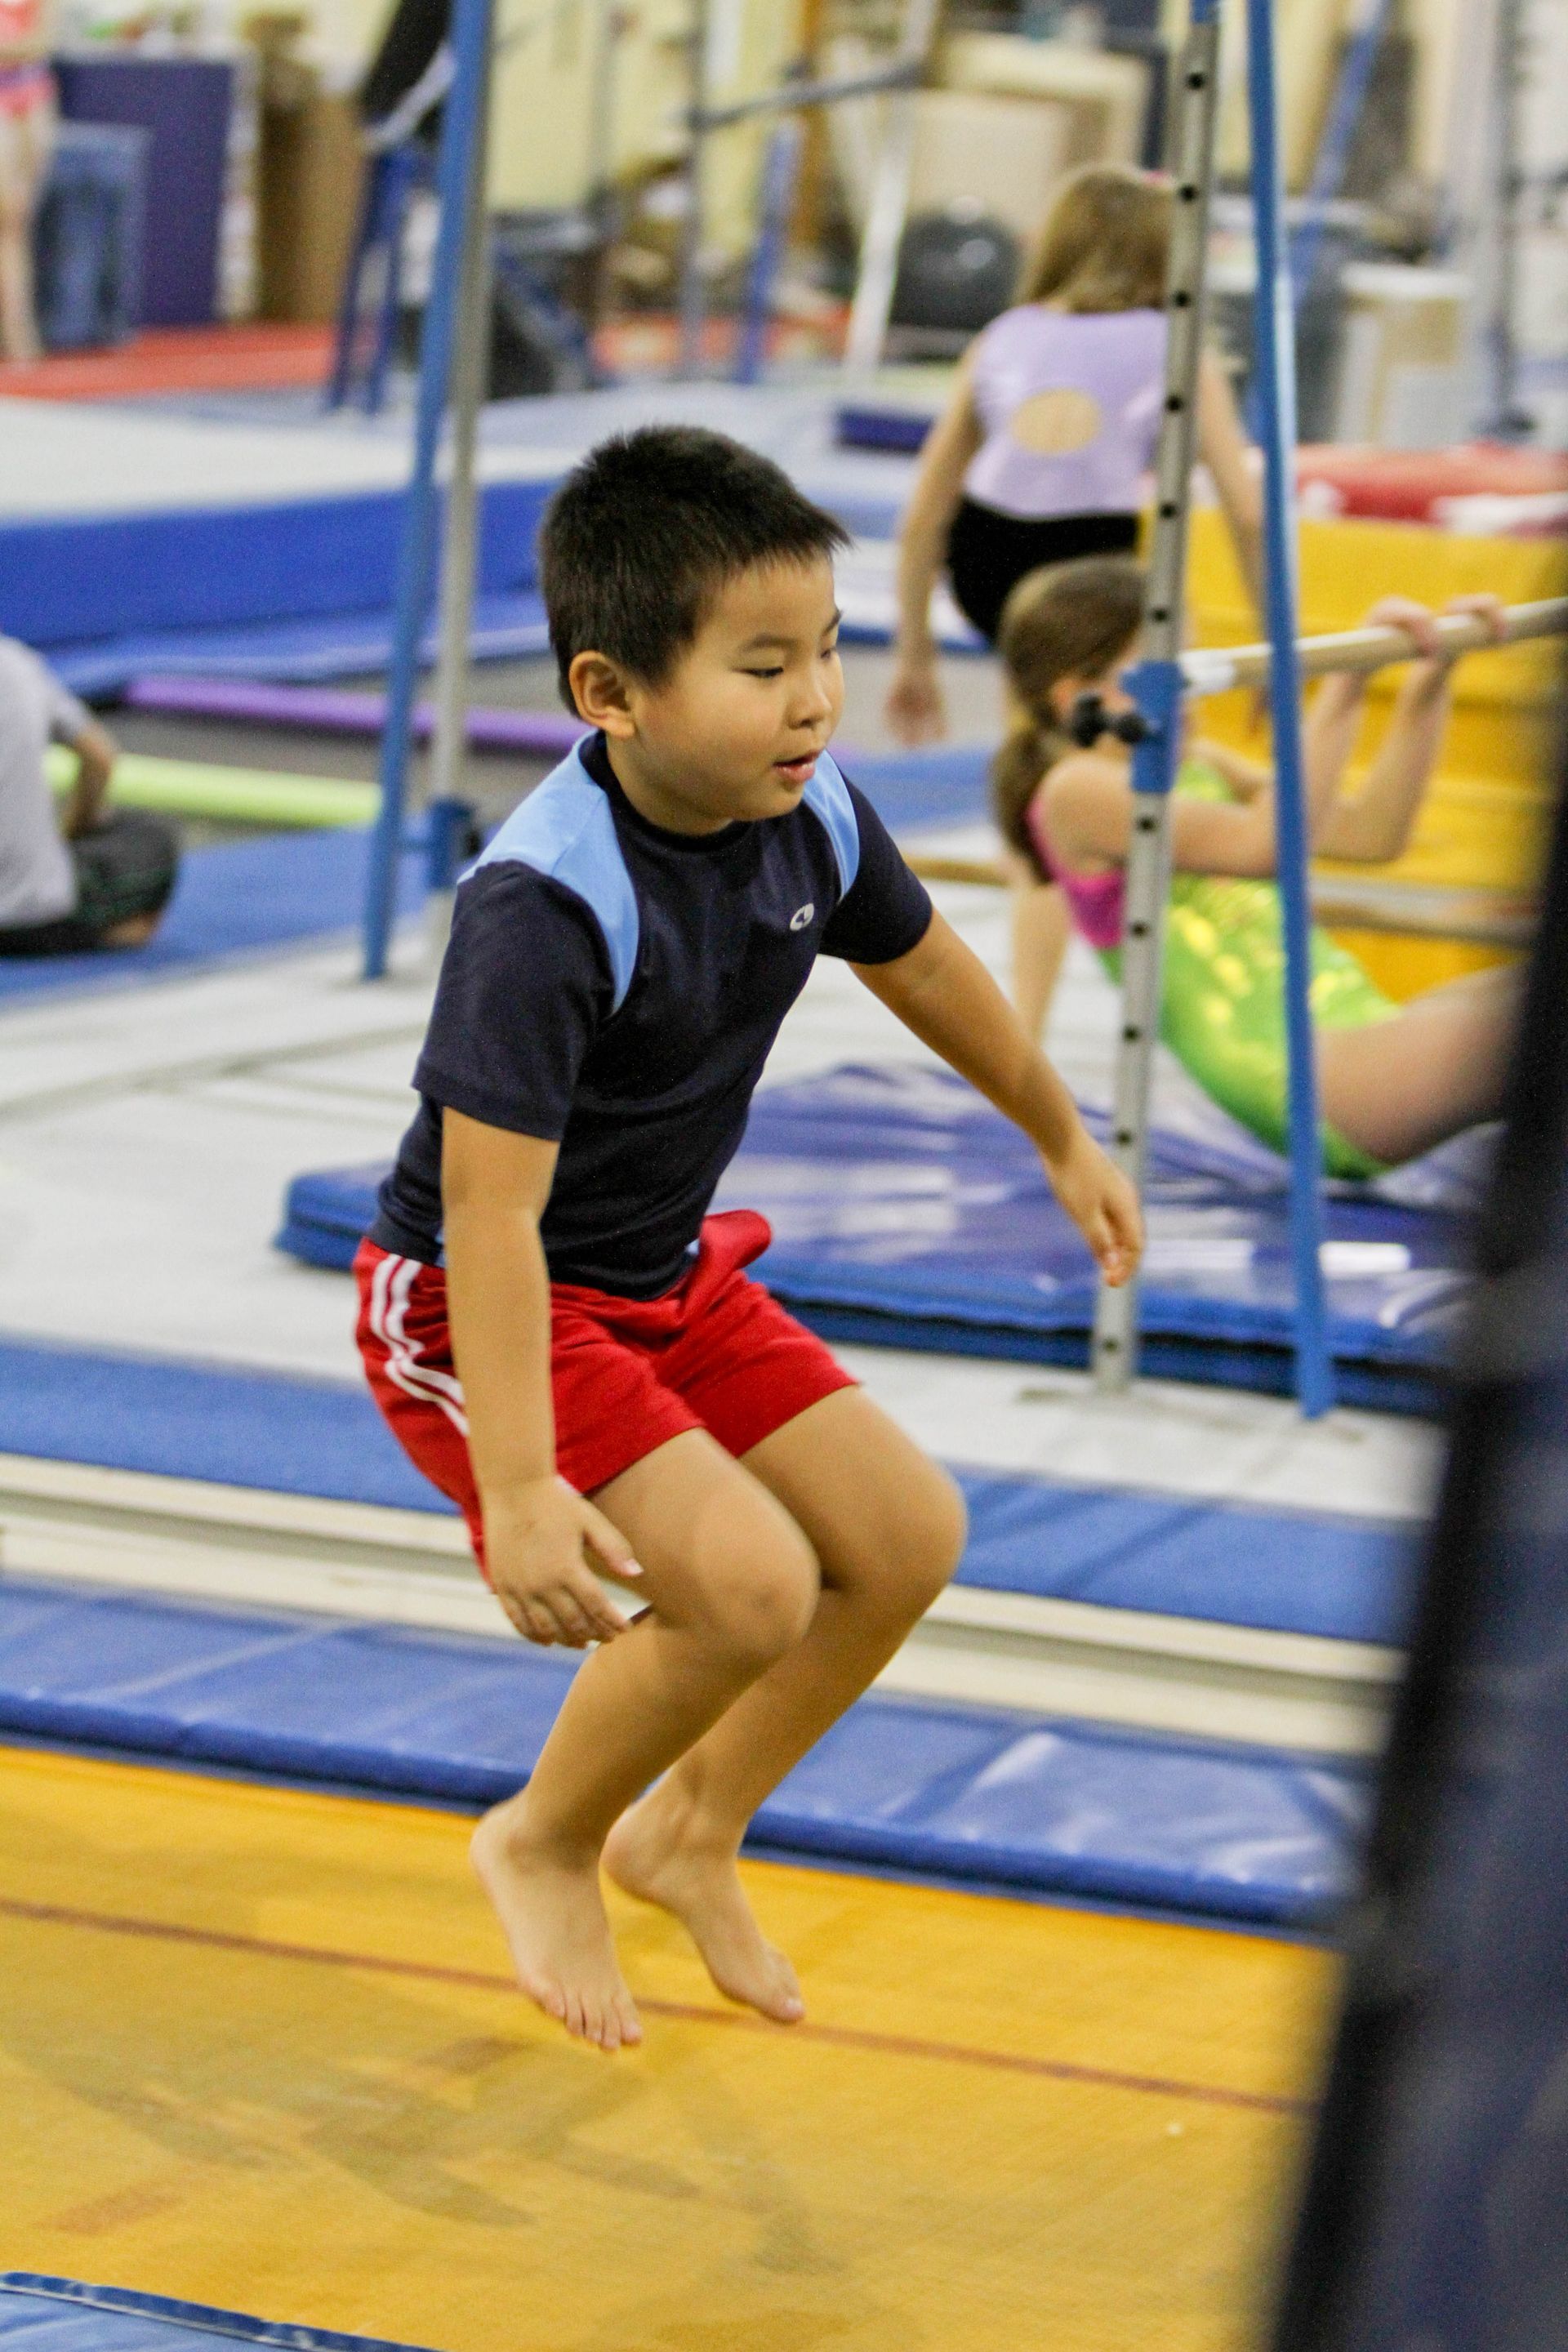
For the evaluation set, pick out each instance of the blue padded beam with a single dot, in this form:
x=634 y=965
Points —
x=296 y=648
x=999 y=1800
x=66 y=2315
x=65 y=580
x=1284 y=1571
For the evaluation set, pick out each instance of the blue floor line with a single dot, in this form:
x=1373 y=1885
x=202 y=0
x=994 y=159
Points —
x=1003 y=1799
x=1292 y=1572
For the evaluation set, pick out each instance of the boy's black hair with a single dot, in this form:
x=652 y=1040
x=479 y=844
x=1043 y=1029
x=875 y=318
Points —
x=641 y=537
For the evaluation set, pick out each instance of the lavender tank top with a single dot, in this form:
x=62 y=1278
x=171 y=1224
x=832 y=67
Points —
x=1111 y=363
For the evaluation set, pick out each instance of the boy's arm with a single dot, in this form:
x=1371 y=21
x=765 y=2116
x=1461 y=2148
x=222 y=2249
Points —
x=945 y=995
x=542 y=1539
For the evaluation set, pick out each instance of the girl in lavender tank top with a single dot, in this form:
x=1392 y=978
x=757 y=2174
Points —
x=1041 y=458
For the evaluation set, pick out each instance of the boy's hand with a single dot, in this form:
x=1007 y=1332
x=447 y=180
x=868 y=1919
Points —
x=1102 y=1205
x=539 y=1542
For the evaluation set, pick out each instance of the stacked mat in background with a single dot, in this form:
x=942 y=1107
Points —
x=906 y=1212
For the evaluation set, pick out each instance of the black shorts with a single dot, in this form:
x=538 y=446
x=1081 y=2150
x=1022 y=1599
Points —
x=988 y=553
x=125 y=868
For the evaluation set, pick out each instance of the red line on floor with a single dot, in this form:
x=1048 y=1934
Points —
x=843 y=2037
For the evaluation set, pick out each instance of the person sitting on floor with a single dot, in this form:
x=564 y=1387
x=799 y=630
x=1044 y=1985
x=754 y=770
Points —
x=1393 y=1080
x=89 y=879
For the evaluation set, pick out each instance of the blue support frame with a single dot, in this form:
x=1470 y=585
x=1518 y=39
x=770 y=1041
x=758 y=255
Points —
x=1276 y=366
x=1349 y=103
x=416 y=561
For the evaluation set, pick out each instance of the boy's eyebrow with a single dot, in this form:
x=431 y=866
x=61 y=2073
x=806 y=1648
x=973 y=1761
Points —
x=771 y=637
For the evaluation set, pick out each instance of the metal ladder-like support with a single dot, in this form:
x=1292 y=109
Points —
x=1156 y=682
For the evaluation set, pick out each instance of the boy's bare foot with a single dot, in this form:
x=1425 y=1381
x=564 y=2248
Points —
x=554 y=1915
x=655 y=1852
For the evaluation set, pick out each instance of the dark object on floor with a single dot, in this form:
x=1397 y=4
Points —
x=957 y=269
x=125 y=870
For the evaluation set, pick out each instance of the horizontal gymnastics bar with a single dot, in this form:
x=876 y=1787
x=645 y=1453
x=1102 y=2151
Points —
x=1478 y=918
x=790 y=97
x=1215 y=670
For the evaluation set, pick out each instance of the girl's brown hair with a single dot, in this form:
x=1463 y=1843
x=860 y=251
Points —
x=1068 y=620
x=1104 y=244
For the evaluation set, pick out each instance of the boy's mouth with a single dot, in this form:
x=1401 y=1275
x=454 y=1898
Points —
x=798 y=772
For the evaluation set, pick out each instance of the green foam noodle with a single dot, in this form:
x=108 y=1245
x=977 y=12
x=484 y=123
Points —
x=234 y=795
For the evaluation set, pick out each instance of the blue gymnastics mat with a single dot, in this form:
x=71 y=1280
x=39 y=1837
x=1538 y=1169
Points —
x=235 y=899
x=862 y=425
x=69 y=582
x=52 y=2315
x=906 y=1212
x=1284 y=1571
x=1004 y=1801
x=301 y=649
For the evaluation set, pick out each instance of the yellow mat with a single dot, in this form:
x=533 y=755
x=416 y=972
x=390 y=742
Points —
x=259 y=2048
x=1484 y=822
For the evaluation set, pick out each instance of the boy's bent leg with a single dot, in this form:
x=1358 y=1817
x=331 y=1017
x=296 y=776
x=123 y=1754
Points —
x=732 y=1584
x=888 y=1528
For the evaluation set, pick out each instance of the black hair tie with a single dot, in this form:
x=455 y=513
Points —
x=1089 y=719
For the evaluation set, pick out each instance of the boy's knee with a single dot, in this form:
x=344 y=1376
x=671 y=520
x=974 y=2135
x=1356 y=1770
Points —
x=935 y=1530
x=763 y=1598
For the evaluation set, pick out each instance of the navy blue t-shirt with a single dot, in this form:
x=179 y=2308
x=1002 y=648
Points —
x=617 y=987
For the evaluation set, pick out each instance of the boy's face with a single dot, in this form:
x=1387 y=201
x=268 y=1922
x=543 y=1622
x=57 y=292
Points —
x=736 y=730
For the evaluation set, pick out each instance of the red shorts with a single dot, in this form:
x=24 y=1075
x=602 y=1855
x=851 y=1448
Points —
x=628 y=1374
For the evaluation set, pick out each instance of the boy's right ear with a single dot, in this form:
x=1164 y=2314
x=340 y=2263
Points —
x=599 y=690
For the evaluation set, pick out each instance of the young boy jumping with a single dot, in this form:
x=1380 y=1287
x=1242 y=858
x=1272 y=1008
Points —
x=589 y=1374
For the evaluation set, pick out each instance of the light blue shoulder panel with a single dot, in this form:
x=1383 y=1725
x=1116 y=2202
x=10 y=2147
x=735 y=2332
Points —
x=564 y=829
x=827 y=797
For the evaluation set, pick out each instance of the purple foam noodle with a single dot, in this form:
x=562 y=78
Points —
x=337 y=711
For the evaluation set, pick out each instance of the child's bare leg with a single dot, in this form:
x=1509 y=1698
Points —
x=888 y=1528
x=1041 y=928
x=732 y=1583
x=23 y=153
x=1397 y=1088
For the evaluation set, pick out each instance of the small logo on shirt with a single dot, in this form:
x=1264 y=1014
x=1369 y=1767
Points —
x=802 y=916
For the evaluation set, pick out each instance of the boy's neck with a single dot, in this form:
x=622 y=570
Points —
x=652 y=799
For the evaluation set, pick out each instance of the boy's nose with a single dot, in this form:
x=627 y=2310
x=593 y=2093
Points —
x=812 y=705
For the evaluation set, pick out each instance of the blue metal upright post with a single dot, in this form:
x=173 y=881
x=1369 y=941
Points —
x=454 y=182
x=1276 y=364
x=1364 y=47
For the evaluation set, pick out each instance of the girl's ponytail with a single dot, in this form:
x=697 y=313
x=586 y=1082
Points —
x=1070 y=620
x=1025 y=752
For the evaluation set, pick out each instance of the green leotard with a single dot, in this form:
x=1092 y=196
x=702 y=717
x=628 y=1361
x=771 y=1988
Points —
x=1223 y=1000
